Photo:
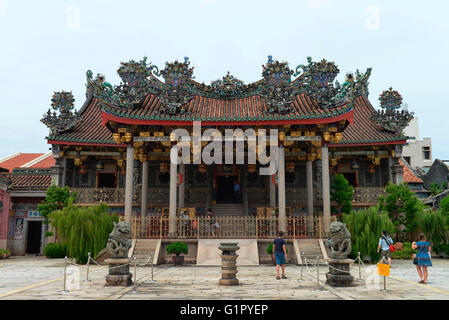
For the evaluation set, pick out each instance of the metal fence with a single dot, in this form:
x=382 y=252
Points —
x=226 y=227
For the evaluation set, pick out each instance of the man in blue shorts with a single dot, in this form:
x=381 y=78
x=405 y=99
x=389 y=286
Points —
x=280 y=253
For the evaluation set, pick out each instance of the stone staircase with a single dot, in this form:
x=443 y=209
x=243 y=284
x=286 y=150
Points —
x=310 y=249
x=143 y=248
x=228 y=209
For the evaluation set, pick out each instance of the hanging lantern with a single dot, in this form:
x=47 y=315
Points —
x=290 y=167
x=338 y=136
x=163 y=167
x=128 y=137
x=251 y=168
x=100 y=165
x=354 y=166
x=83 y=169
x=202 y=168
x=326 y=136
x=334 y=162
x=372 y=168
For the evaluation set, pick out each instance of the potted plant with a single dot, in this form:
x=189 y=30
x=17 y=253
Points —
x=177 y=248
x=4 y=254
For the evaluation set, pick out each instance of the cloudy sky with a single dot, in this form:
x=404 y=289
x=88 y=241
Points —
x=48 y=45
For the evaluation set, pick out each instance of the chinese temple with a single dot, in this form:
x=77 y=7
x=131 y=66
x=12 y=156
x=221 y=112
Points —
x=116 y=148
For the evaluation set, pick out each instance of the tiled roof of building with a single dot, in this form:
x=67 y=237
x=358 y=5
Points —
x=363 y=130
x=239 y=111
x=17 y=160
x=89 y=130
x=408 y=175
x=27 y=181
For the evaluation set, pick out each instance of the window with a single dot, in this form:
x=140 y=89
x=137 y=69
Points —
x=426 y=151
x=408 y=160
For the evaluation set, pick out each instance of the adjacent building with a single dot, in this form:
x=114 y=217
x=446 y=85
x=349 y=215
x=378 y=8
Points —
x=23 y=184
x=417 y=152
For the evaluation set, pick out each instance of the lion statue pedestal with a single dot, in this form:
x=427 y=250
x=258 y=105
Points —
x=339 y=244
x=118 y=246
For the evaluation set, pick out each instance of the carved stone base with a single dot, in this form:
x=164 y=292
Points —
x=339 y=273
x=119 y=280
x=119 y=274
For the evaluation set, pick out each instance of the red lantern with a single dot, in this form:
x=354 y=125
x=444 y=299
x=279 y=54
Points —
x=202 y=168
x=251 y=168
x=163 y=167
x=83 y=169
x=290 y=167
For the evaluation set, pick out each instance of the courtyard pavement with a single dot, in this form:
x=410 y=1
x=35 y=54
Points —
x=39 y=278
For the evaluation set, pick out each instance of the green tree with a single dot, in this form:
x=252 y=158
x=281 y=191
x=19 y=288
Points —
x=403 y=207
x=83 y=229
x=55 y=199
x=366 y=228
x=435 y=188
x=444 y=206
x=341 y=192
x=435 y=225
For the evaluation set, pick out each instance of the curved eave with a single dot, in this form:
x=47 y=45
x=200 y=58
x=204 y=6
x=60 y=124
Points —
x=72 y=143
x=368 y=144
x=109 y=117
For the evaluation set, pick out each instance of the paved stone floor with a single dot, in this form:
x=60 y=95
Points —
x=34 y=278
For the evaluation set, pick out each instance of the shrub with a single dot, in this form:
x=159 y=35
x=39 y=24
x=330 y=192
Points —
x=366 y=228
x=434 y=225
x=48 y=234
x=270 y=249
x=83 y=229
x=4 y=254
x=177 y=248
x=55 y=250
x=341 y=192
x=404 y=208
x=405 y=253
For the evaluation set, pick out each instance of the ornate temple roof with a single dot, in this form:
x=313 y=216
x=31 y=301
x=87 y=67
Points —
x=313 y=97
x=29 y=180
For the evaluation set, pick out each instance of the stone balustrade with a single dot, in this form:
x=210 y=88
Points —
x=105 y=195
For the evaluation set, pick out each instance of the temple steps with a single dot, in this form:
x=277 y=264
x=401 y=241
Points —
x=143 y=248
x=310 y=249
x=228 y=209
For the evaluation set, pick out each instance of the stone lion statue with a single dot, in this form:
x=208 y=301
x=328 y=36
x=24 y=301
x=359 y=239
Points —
x=339 y=242
x=119 y=241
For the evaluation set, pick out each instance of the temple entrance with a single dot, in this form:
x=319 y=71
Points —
x=106 y=180
x=34 y=235
x=225 y=189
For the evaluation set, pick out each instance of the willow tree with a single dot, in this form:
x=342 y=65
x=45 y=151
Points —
x=366 y=228
x=83 y=229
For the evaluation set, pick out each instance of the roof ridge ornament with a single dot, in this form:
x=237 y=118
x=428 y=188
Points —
x=278 y=93
x=228 y=86
x=390 y=117
x=175 y=93
x=63 y=103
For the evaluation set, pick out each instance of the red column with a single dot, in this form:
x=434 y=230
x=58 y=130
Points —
x=4 y=218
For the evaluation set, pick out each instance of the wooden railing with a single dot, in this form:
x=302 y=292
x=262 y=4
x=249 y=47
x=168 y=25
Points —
x=226 y=227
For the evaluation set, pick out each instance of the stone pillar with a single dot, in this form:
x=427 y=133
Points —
x=129 y=183
x=243 y=190
x=309 y=174
x=281 y=189
x=272 y=192
x=390 y=170
x=182 y=185
x=398 y=171
x=144 y=206
x=64 y=172
x=326 y=188
x=172 y=209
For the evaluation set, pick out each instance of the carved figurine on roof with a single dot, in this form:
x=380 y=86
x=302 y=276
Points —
x=390 y=117
x=278 y=93
x=175 y=94
x=62 y=102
